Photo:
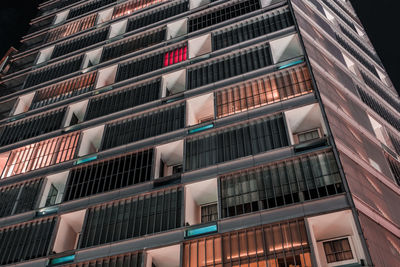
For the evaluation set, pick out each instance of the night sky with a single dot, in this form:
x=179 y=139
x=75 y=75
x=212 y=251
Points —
x=380 y=18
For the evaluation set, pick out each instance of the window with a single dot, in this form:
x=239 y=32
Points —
x=144 y=126
x=129 y=218
x=232 y=143
x=229 y=66
x=64 y=90
x=71 y=28
x=132 y=44
x=394 y=165
x=238 y=33
x=150 y=63
x=209 y=213
x=308 y=135
x=131 y=6
x=31 y=127
x=175 y=56
x=340 y=14
x=280 y=184
x=166 y=11
x=263 y=91
x=26 y=243
x=19 y=198
x=41 y=154
x=283 y=244
x=52 y=196
x=54 y=71
x=80 y=42
x=222 y=14
x=123 y=99
x=110 y=174
x=337 y=250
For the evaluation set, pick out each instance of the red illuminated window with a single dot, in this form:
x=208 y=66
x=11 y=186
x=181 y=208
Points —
x=41 y=154
x=175 y=56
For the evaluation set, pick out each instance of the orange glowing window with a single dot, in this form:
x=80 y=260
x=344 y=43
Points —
x=41 y=154
x=263 y=91
x=132 y=6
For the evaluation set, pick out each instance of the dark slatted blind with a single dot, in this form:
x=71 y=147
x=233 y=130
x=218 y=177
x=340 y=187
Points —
x=35 y=126
x=162 y=13
x=138 y=216
x=93 y=5
x=352 y=51
x=381 y=91
x=150 y=63
x=80 y=42
x=379 y=108
x=235 y=142
x=109 y=175
x=127 y=98
x=279 y=184
x=133 y=44
x=19 y=198
x=222 y=14
x=144 y=126
x=134 y=259
x=272 y=22
x=55 y=71
x=229 y=66
x=26 y=241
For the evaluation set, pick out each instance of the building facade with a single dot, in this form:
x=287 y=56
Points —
x=198 y=133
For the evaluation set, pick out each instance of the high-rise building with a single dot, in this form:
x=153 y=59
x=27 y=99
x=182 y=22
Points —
x=198 y=133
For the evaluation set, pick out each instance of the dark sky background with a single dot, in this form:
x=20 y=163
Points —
x=380 y=18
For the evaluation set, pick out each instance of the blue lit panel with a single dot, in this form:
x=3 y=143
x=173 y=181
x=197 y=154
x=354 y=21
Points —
x=201 y=230
x=202 y=128
x=61 y=260
x=291 y=64
x=81 y=161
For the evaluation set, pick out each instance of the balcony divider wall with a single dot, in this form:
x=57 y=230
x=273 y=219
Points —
x=133 y=217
